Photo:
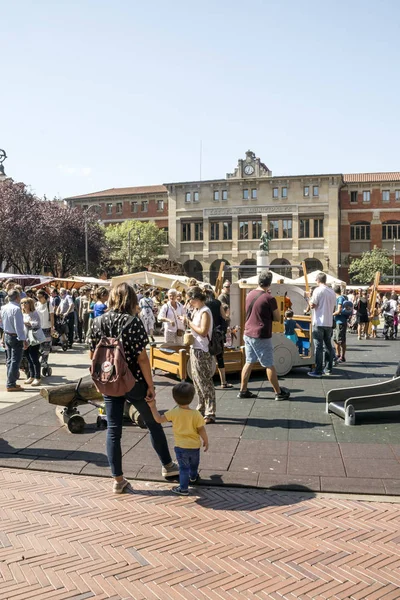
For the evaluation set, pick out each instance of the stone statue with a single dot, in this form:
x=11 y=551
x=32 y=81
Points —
x=3 y=157
x=265 y=239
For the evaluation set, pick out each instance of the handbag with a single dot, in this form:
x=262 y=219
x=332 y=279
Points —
x=179 y=332
x=36 y=337
x=188 y=338
x=216 y=343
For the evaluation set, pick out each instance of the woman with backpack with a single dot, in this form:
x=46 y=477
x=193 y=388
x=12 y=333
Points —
x=122 y=322
x=201 y=363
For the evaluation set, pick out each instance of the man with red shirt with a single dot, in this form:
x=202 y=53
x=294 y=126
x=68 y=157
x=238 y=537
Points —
x=261 y=311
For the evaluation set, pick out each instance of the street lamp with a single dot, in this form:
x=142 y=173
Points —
x=97 y=207
x=394 y=261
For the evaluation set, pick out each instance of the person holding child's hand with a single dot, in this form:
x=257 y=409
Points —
x=189 y=430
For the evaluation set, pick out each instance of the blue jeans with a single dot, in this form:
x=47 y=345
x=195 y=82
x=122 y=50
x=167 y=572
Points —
x=115 y=415
x=321 y=336
x=188 y=461
x=14 y=350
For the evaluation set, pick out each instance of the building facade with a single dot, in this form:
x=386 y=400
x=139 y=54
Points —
x=223 y=219
x=369 y=215
x=147 y=203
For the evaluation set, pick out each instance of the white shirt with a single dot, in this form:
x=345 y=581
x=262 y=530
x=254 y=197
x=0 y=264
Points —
x=324 y=299
x=168 y=312
x=200 y=342
x=65 y=304
x=44 y=314
x=391 y=309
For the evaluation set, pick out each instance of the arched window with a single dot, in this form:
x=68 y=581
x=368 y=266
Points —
x=313 y=264
x=391 y=230
x=214 y=270
x=360 y=231
x=285 y=272
x=193 y=268
x=243 y=273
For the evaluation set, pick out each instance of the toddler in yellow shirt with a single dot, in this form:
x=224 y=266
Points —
x=189 y=430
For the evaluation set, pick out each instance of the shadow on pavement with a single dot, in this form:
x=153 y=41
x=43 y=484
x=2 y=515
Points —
x=248 y=499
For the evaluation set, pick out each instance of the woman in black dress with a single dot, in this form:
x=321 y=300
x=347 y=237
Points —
x=362 y=314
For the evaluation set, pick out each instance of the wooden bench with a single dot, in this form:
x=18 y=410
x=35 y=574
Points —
x=345 y=402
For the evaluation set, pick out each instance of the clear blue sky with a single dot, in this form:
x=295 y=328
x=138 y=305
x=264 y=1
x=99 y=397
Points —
x=98 y=94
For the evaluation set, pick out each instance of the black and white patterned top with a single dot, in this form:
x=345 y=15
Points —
x=134 y=338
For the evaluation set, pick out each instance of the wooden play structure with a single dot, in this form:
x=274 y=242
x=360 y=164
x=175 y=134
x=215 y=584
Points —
x=175 y=359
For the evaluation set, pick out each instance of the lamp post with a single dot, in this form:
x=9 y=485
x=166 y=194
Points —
x=97 y=207
x=394 y=261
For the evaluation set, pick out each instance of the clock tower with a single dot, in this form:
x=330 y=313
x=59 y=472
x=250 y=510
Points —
x=250 y=167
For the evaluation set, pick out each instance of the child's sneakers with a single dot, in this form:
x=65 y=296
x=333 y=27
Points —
x=178 y=490
x=195 y=480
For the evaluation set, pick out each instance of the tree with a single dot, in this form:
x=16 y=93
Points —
x=146 y=243
x=38 y=232
x=362 y=270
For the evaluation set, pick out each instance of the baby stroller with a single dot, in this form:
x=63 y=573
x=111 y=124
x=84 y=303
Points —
x=60 y=337
x=45 y=349
x=352 y=324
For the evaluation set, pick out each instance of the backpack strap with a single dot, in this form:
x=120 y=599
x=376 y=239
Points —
x=250 y=309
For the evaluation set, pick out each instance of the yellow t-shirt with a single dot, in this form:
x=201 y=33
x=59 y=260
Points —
x=185 y=423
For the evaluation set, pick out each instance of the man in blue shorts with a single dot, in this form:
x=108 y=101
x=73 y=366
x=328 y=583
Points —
x=261 y=310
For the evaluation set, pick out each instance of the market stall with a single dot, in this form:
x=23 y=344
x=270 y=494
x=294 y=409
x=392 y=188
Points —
x=156 y=280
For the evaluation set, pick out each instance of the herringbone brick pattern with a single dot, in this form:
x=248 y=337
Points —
x=67 y=537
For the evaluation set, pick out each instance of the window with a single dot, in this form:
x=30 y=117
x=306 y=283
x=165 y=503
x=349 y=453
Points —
x=391 y=230
x=144 y=206
x=315 y=190
x=245 y=194
x=353 y=197
x=254 y=193
x=109 y=209
x=166 y=237
x=385 y=195
x=256 y=229
x=186 y=232
x=243 y=230
x=134 y=208
x=227 y=228
x=306 y=190
x=195 y=197
x=318 y=228
x=119 y=208
x=160 y=204
x=85 y=206
x=284 y=192
x=275 y=192
x=397 y=195
x=216 y=195
x=224 y=194
x=287 y=228
x=360 y=231
x=304 y=230
x=274 y=229
x=214 y=231
x=198 y=232
x=366 y=196
x=188 y=197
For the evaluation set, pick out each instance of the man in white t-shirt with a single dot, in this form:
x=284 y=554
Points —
x=323 y=303
x=169 y=315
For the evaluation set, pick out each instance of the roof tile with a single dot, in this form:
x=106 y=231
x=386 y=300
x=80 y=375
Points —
x=371 y=177
x=127 y=191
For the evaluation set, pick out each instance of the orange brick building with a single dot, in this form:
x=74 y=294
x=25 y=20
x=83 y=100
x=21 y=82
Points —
x=369 y=216
x=146 y=203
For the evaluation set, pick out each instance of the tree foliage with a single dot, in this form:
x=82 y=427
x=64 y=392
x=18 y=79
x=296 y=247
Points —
x=362 y=270
x=146 y=242
x=35 y=233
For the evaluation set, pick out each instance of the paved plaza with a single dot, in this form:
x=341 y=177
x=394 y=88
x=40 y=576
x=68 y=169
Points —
x=260 y=443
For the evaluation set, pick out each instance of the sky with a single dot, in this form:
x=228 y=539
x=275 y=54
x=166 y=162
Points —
x=98 y=94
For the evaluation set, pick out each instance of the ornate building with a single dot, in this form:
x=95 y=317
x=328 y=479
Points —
x=222 y=219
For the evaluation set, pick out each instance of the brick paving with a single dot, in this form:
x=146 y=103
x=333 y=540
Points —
x=64 y=537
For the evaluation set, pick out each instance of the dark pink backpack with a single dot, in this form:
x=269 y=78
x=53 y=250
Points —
x=109 y=369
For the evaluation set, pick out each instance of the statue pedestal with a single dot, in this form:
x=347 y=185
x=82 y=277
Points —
x=262 y=261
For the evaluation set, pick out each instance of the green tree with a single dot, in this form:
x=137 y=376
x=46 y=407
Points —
x=146 y=243
x=362 y=270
